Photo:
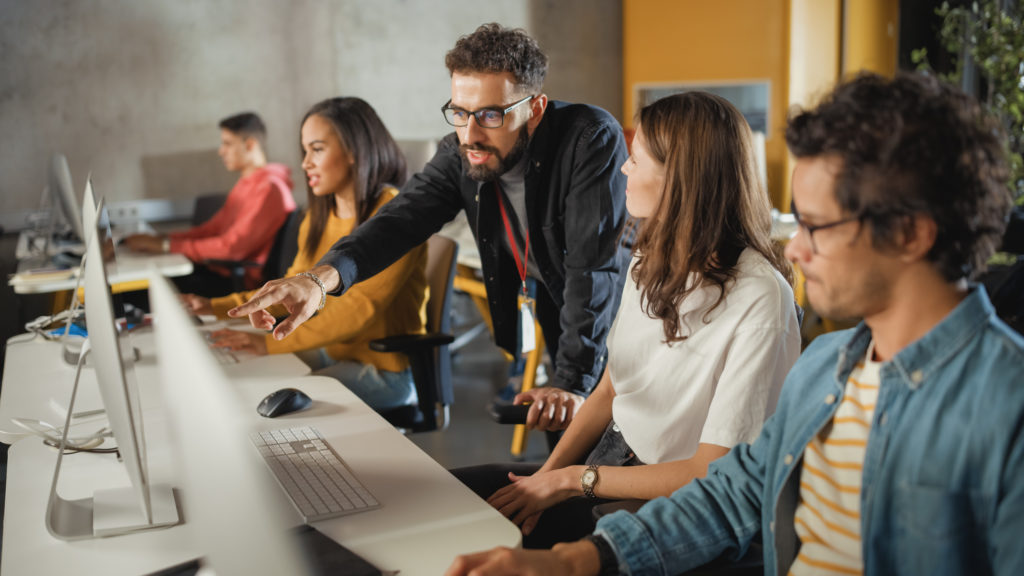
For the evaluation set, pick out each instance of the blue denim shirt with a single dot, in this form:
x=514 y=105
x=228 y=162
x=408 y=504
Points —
x=943 y=484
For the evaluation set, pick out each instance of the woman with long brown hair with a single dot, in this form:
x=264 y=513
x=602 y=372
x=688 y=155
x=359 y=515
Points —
x=705 y=333
x=352 y=168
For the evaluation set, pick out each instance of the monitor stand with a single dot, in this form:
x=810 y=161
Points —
x=110 y=512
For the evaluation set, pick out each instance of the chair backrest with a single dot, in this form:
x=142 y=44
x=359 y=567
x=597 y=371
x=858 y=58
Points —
x=285 y=247
x=428 y=354
x=417 y=153
x=206 y=206
x=441 y=255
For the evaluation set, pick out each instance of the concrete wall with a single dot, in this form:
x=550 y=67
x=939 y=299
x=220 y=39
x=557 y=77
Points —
x=132 y=90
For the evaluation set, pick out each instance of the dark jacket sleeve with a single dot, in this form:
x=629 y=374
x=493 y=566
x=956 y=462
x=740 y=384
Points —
x=426 y=203
x=595 y=213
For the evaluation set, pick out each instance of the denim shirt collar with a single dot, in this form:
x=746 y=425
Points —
x=917 y=362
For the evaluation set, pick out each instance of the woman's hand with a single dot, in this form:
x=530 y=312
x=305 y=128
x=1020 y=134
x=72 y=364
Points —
x=236 y=340
x=197 y=305
x=526 y=497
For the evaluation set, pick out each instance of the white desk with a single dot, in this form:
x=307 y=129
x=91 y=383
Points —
x=427 y=517
x=37 y=381
x=131 y=267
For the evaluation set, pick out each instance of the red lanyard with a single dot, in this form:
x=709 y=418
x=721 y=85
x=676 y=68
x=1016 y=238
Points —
x=520 y=265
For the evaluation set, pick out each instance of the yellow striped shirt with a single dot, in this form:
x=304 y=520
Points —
x=828 y=516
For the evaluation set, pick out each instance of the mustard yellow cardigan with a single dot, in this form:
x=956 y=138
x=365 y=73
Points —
x=392 y=302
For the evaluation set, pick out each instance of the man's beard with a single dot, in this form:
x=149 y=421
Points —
x=482 y=173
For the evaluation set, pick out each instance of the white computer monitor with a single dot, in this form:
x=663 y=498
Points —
x=89 y=223
x=237 y=515
x=121 y=509
x=63 y=194
x=89 y=212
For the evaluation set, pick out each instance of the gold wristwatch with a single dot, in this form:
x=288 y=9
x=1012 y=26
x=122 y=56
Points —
x=588 y=480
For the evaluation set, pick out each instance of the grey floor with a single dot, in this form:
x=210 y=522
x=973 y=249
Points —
x=479 y=370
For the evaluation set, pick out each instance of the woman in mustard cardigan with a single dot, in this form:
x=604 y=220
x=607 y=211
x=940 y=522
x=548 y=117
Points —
x=352 y=166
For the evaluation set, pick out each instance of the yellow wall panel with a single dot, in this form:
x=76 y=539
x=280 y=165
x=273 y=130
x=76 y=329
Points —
x=871 y=36
x=692 y=41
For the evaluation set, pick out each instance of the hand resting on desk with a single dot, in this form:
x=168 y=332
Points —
x=197 y=305
x=299 y=295
x=575 y=558
x=144 y=243
x=238 y=341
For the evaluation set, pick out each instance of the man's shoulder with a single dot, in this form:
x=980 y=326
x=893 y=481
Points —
x=569 y=128
x=273 y=173
x=447 y=162
x=582 y=116
x=823 y=352
x=579 y=109
x=450 y=143
x=997 y=355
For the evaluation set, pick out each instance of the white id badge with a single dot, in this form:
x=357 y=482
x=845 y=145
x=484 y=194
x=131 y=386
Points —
x=529 y=339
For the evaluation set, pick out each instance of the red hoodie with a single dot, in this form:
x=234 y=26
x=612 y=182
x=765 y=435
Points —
x=244 y=228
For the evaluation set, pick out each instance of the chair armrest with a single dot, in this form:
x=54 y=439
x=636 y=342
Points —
x=410 y=342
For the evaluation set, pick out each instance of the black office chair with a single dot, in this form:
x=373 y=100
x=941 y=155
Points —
x=206 y=206
x=280 y=256
x=429 y=357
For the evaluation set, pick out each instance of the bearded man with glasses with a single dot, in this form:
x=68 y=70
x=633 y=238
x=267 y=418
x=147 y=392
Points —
x=540 y=185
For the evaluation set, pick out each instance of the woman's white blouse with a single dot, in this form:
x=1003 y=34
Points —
x=720 y=384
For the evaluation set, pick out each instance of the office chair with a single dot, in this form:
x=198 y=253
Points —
x=280 y=256
x=206 y=206
x=428 y=353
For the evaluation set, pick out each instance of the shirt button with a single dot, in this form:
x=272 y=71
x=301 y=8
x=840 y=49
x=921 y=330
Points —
x=788 y=459
x=615 y=427
x=917 y=376
x=830 y=399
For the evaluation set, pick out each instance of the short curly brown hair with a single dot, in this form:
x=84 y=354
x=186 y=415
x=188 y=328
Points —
x=494 y=48
x=914 y=145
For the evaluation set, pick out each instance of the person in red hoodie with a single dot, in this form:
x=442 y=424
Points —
x=244 y=228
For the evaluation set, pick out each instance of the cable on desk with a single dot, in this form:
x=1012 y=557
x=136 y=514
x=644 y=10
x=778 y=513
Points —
x=74 y=450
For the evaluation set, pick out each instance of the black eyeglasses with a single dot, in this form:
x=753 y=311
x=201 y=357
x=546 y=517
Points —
x=485 y=117
x=812 y=229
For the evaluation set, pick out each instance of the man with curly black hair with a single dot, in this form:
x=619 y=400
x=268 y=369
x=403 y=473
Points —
x=898 y=446
x=540 y=184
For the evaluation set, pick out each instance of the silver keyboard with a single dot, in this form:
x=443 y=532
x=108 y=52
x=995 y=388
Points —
x=224 y=356
x=316 y=479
